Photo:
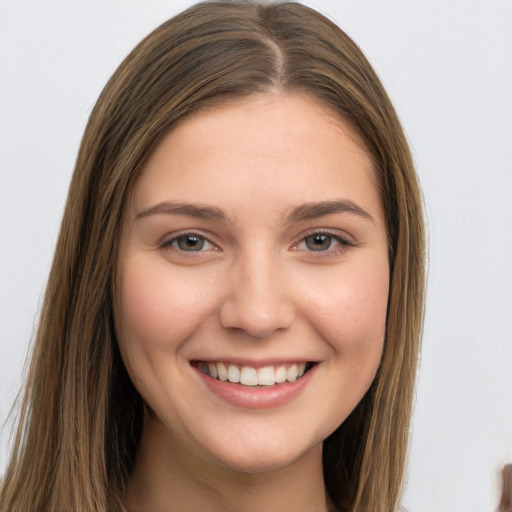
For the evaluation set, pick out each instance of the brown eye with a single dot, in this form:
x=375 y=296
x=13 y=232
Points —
x=318 y=242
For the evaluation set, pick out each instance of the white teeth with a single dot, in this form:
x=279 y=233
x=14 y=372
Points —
x=292 y=373
x=213 y=370
x=222 y=372
x=249 y=376
x=233 y=374
x=281 y=375
x=266 y=376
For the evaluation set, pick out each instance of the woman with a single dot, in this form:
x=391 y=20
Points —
x=233 y=315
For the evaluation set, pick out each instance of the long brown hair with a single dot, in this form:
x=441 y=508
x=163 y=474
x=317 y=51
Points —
x=81 y=418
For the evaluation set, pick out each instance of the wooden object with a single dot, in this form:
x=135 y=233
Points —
x=506 y=489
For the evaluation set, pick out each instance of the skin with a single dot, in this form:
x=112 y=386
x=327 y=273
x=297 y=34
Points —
x=255 y=291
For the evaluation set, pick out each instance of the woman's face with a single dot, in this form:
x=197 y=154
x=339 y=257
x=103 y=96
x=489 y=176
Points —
x=255 y=250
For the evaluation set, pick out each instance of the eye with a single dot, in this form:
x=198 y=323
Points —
x=318 y=242
x=190 y=242
x=322 y=242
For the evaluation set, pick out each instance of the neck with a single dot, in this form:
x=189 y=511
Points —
x=165 y=479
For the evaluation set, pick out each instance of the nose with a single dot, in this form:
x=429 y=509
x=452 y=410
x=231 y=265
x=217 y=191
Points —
x=259 y=299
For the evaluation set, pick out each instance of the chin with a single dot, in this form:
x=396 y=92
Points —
x=262 y=455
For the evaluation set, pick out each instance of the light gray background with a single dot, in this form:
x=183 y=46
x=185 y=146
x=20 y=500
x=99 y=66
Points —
x=447 y=66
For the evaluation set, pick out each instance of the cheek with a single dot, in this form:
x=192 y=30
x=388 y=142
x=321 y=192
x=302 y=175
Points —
x=158 y=306
x=351 y=319
x=351 y=315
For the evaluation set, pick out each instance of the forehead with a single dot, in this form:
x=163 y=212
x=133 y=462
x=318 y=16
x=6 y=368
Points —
x=268 y=147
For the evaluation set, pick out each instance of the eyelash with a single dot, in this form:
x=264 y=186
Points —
x=340 y=243
x=175 y=240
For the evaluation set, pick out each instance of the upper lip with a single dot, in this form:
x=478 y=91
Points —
x=260 y=363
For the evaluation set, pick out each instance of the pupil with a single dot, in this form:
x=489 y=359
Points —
x=318 y=242
x=190 y=243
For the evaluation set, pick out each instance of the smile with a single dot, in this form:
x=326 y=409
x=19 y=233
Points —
x=251 y=376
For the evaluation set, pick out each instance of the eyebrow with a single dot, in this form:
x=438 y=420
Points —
x=311 y=211
x=303 y=212
x=198 y=211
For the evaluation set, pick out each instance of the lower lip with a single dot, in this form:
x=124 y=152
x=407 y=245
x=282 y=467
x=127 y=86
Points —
x=257 y=397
